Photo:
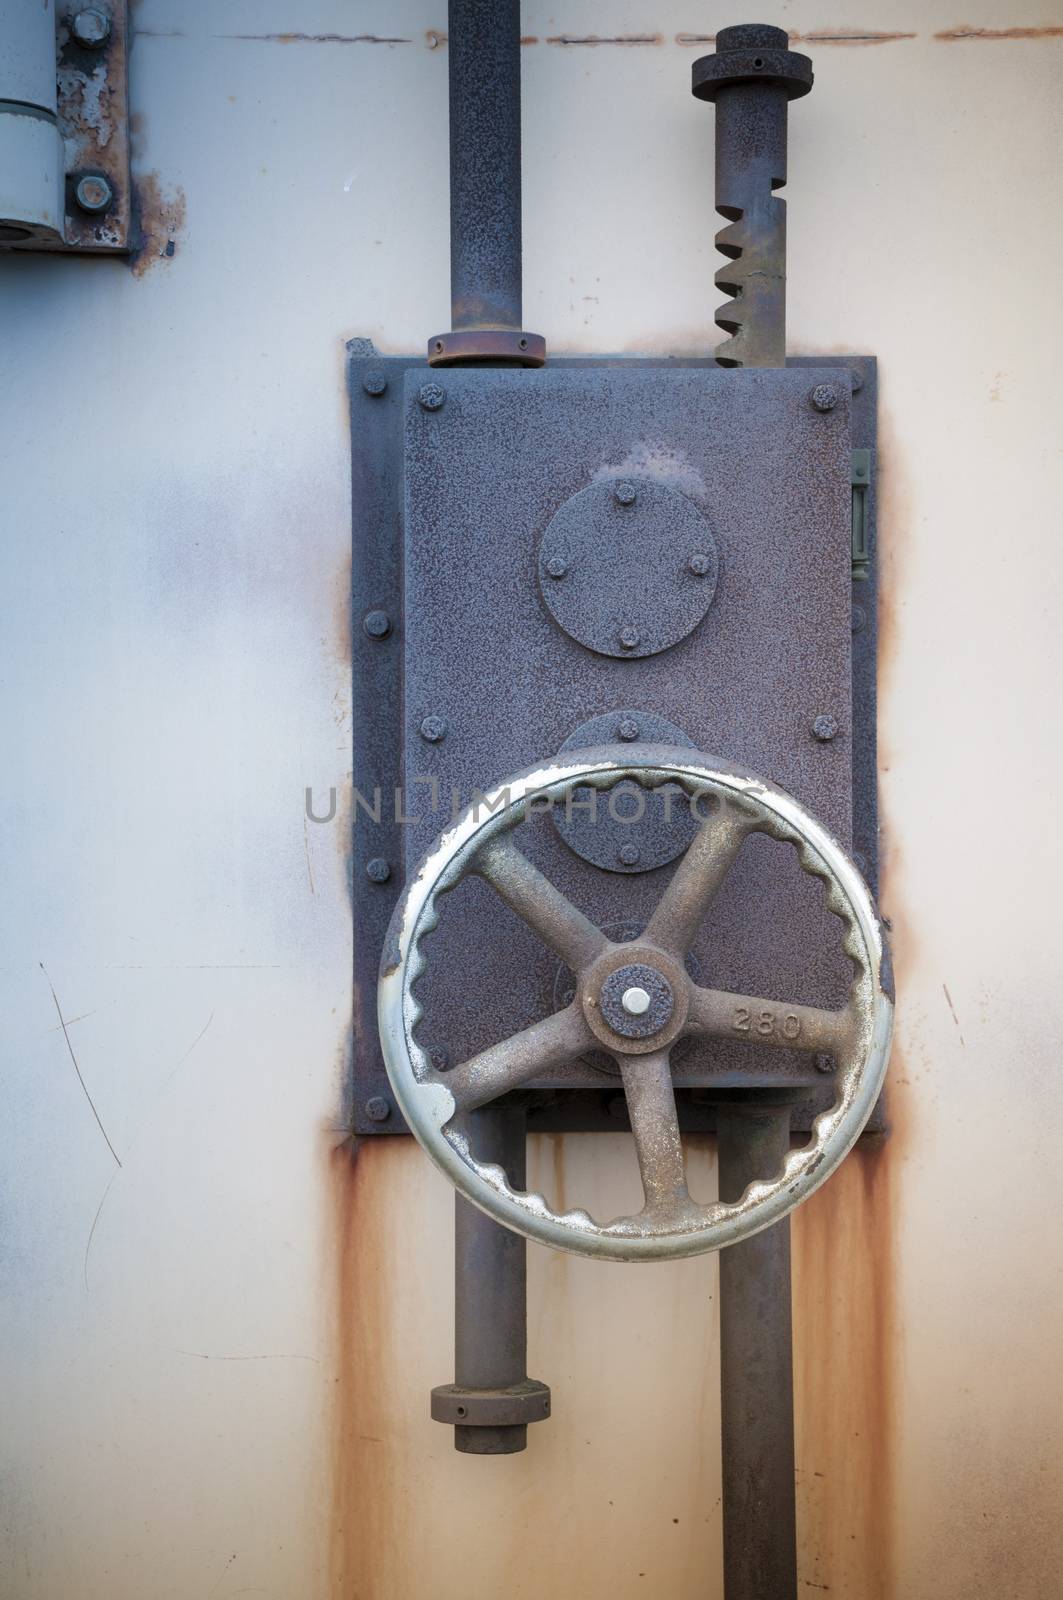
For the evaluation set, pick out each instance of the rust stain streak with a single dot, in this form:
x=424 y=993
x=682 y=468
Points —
x=599 y=39
x=960 y=34
x=366 y=1493
x=159 y=221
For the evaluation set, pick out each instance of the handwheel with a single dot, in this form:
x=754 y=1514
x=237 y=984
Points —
x=635 y=1000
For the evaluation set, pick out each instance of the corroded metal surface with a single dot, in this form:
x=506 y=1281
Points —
x=737 y=806
x=752 y=77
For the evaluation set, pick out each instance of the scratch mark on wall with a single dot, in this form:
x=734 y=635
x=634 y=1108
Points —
x=955 y=1018
x=306 y=847
x=312 y=38
x=222 y=1573
x=70 y=1021
x=957 y=35
x=597 y=39
x=170 y=1075
x=206 y=1355
x=77 y=1069
x=862 y=37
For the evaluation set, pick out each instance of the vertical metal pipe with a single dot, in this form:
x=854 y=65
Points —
x=756 y=1370
x=485 y=198
x=485 y=203
x=490 y=1287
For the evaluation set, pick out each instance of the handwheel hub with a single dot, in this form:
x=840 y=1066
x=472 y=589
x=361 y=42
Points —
x=635 y=998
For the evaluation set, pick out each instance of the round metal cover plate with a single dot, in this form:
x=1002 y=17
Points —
x=628 y=567
x=628 y=828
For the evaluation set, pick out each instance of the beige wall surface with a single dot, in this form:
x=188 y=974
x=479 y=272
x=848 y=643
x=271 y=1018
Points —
x=220 y=1322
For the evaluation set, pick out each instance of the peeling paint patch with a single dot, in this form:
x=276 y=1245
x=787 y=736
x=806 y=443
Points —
x=159 y=220
x=598 y=39
x=961 y=33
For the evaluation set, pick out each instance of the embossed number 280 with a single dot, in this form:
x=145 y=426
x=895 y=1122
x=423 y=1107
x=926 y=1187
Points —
x=766 y=1023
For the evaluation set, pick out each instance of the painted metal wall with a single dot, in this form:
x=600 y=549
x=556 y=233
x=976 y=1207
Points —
x=220 y=1324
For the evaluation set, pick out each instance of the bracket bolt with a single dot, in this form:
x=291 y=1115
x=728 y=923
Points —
x=93 y=193
x=557 y=566
x=824 y=397
x=377 y=1109
x=825 y=728
x=699 y=565
x=433 y=729
x=629 y=639
x=824 y=1063
x=625 y=493
x=91 y=28
x=377 y=870
x=374 y=383
x=377 y=624
x=628 y=855
x=431 y=396
x=627 y=729
x=439 y=1056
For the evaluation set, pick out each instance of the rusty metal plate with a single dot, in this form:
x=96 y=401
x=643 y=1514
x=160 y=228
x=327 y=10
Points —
x=491 y=683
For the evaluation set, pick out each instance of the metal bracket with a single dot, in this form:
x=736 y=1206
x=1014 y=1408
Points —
x=78 y=124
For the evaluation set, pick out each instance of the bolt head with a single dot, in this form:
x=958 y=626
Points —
x=859 y=619
x=377 y=1109
x=635 y=1001
x=856 y=378
x=431 y=396
x=439 y=1056
x=627 y=729
x=433 y=729
x=374 y=383
x=377 y=624
x=93 y=193
x=625 y=493
x=825 y=728
x=377 y=870
x=824 y=397
x=699 y=565
x=629 y=638
x=628 y=855
x=557 y=566
x=824 y=1063
x=91 y=28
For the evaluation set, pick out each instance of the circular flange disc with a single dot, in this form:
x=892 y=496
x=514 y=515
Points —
x=631 y=829
x=628 y=567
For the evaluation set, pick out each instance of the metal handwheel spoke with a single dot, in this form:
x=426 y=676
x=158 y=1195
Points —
x=719 y=1014
x=655 y=1126
x=513 y=1061
x=685 y=902
x=543 y=907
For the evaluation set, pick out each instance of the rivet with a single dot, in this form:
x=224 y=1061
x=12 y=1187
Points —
x=699 y=565
x=625 y=493
x=374 y=383
x=433 y=729
x=628 y=855
x=91 y=28
x=377 y=870
x=629 y=639
x=377 y=1109
x=627 y=729
x=557 y=566
x=431 y=396
x=439 y=1056
x=377 y=624
x=856 y=377
x=859 y=619
x=825 y=728
x=824 y=397
x=635 y=1001
x=824 y=1063
x=93 y=193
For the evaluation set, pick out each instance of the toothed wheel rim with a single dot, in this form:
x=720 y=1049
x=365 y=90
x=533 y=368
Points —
x=671 y=1223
